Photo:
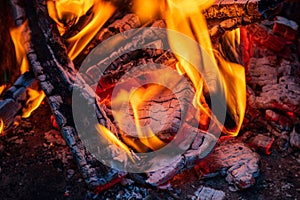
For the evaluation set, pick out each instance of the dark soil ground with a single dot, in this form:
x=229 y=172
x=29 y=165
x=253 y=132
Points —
x=35 y=163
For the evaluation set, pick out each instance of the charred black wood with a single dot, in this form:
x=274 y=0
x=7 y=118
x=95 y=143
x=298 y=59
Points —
x=14 y=98
x=56 y=74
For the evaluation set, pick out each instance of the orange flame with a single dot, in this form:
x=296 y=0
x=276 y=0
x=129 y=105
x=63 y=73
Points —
x=2 y=88
x=183 y=16
x=144 y=139
x=19 y=41
x=187 y=18
x=137 y=101
x=146 y=9
x=35 y=99
x=20 y=36
x=68 y=12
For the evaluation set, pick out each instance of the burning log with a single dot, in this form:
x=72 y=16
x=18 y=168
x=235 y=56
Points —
x=229 y=15
x=56 y=75
x=233 y=159
x=53 y=69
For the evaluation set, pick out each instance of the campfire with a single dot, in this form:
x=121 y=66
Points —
x=149 y=90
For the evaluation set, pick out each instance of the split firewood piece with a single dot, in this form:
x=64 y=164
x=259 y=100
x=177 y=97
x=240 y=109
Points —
x=56 y=74
x=14 y=99
x=233 y=159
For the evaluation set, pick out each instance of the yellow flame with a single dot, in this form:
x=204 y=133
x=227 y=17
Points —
x=187 y=18
x=235 y=89
x=35 y=99
x=1 y=126
x=70 y=11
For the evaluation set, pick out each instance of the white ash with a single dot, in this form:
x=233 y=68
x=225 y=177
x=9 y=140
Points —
x=206 y=193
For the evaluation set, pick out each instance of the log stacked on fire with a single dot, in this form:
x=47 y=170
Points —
x=50 y=63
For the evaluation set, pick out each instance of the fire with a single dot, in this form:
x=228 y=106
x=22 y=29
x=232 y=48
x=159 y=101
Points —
x=18 y=40
x=183 y=16
x=137 y=101
x=107 y=134
x=146 y=9
x=35 y=97
x=143 y=138
x=187 y=18
x=2 y=88
x=68 y=12
x=1 y=126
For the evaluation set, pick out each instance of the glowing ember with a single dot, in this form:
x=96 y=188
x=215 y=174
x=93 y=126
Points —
x=67 y=13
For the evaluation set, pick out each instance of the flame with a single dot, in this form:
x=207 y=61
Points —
x=103 y=131
x=137 y=100
x=1 y=126
x=146 y=9
x=19 y=36
x=2 y=88
x=35 y=99
x=19 y=41
x=187 y=18
x=68 y=12
x=145 y=138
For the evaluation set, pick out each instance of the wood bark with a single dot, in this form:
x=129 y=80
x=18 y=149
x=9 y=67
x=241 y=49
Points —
x=56 y=74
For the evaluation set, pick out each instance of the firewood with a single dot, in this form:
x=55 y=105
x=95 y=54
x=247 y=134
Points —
x=56 y=74
x=14 y=99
